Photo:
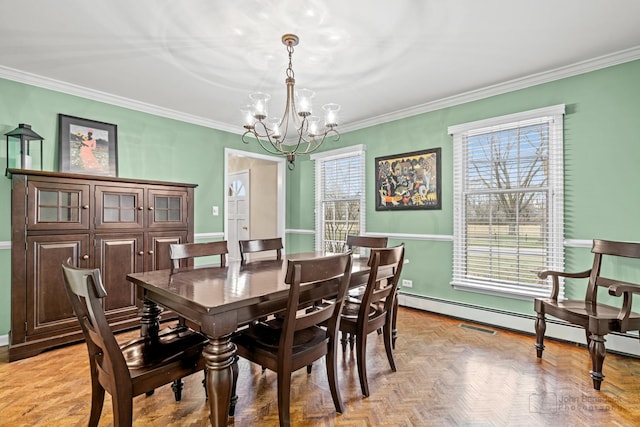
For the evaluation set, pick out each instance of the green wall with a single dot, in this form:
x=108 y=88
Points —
x=602 y=158
x=602 y=154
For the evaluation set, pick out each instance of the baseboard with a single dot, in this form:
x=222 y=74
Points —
x=626 y=344
x=4 y=340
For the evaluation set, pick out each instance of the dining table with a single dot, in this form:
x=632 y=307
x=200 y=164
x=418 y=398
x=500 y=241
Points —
x=220 y=300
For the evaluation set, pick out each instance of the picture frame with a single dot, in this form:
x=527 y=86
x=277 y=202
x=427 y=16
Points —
x=87 y=146
x=409 y=181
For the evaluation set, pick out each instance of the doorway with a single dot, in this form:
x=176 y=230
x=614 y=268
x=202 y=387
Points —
x=254 y=198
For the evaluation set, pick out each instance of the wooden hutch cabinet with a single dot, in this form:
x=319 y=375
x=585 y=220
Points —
x=118 y=225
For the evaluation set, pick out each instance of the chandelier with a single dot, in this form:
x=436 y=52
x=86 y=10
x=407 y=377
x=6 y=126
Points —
x=298 y=131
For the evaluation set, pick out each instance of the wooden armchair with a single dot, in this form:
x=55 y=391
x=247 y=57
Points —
x=295 y=339
x=261 y=245
x=596 y=318
x=138 y=366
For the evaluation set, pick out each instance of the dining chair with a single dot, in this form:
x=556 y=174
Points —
x=137 y=367
x=365 y=242
x=295 y=339
x=182 y=251
x=261 y=245
x=597 y=319
x=375 y=310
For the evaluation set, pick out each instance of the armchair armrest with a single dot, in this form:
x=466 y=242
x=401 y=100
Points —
x=626 y=289
x=555 y=283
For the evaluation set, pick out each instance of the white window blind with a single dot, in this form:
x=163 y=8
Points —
x=508 y=202
x=340 y=185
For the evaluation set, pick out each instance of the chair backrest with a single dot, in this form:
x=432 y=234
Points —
x=324 y=271
x=386 y=267
x=261 y=245
x=85 y=291
x=179 y=251
x=603 y=248
x=366 y=242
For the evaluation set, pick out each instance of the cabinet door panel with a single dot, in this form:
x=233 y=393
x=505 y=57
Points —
x=48 y=308
x=167 y=208
x=57 y=206
x=118 y=255
x=158 y=248
x=119 y=208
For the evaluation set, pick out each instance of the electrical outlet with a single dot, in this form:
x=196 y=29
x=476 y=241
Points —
x=214 y=211
x=407 y=283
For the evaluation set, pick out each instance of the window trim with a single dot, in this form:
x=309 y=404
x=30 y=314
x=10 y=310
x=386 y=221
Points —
x=351 y=151
x=554 y=115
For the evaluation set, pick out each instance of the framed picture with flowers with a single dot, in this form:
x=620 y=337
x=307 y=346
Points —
x=87 y=146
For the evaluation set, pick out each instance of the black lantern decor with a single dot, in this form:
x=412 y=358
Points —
x=19 y=148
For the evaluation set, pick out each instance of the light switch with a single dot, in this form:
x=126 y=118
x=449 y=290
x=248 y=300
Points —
x=214 y=211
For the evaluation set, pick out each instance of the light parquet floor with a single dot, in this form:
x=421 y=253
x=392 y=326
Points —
x=447 y=376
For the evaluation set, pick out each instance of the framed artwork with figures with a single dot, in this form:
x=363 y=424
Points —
x=409 y=181
x=87 y=146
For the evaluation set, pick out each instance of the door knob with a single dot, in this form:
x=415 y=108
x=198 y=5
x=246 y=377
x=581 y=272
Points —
x=244 y=228
x=85 y=257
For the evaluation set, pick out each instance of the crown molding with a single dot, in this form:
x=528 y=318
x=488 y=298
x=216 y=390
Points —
x=582 y=67
x=107 y=98
x=578 y=68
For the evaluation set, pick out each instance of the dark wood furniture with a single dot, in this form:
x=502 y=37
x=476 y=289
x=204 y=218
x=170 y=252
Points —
x=596 y=318
x=137 y=367
x=260 y=245
x=295 y=339
x=375 y=310
x=366 y=242
x=221 y=299
x=187 y=251
x=118 y=225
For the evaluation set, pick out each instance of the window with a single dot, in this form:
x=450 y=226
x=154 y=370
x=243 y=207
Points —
x=339 y=196
x=508 y=202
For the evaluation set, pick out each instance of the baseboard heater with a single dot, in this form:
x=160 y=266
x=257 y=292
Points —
x=625 y=344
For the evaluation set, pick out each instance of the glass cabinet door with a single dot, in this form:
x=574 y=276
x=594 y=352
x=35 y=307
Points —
x=167 y=208
x=118 y=207
x=53 y=205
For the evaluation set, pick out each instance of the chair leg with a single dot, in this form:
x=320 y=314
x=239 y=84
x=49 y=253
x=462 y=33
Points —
x=122 y=409
x=388 y=346
x=177 y=387
x=598 y=352
x=541 y=327
x=332 y=374
x=361 y=358
x=394 y=327
x=284 y=397
x=352 y=341
x=204 y=385
x=97 y=402
x=344 y=340
x=234 y=396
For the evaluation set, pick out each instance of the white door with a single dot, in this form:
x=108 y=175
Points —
x=238 y=206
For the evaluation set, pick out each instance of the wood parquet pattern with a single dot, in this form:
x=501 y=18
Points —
x=447 y=376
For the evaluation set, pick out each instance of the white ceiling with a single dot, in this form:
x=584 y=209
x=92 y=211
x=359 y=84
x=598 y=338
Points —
x=197 y=60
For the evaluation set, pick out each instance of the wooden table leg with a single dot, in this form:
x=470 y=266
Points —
x=150 y=319
x=219 y=355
